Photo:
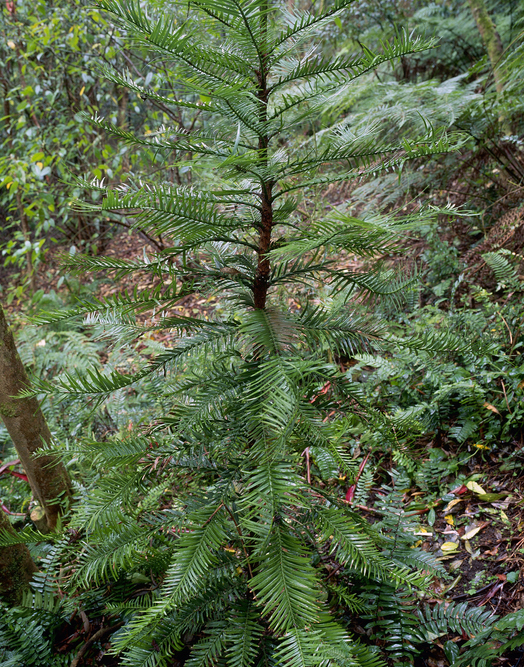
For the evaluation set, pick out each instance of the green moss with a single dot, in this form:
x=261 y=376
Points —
x=7 y=410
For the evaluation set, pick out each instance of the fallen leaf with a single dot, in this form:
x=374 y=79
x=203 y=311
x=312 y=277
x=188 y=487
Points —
x=492 y=552
x=476 y=488
x=479 y=445
x=455 y=581
x=471 y=533
x=490 y=497
x=449 y=519
x=505 y=518
x=490 y=594
x=473 y=529
x=447 y=547
x=503 y=505
x=455 y=564
x=452 y=503
x=488 y=406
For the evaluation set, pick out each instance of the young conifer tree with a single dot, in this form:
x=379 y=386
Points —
x=255 y=396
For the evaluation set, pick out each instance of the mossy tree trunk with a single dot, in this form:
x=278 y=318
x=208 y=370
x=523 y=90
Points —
x=28 y=429
x=494 y=48
x=16 y=566
x=490 y=38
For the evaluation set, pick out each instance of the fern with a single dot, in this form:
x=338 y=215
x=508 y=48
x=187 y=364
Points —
x=504 y=270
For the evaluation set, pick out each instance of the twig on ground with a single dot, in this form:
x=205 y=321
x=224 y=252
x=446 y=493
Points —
x=98 y=635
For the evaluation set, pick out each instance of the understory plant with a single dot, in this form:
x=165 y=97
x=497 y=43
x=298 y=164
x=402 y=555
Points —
x=213 y=504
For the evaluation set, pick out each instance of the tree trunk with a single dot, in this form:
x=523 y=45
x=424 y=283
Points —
x=493 y=45
x=490 y=38
x=123 y=99
x=261 y=282
x=16 y=566
x=27 y=427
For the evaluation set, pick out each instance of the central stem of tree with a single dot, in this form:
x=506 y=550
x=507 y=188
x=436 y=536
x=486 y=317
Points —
x=263 y=269
x=261 y=283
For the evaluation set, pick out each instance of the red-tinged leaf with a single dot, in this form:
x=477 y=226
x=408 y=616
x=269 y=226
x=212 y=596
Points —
x=351 y=491
x=20 y=475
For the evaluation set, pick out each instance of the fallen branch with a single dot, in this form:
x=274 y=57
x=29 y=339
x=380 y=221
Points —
x=98 y=635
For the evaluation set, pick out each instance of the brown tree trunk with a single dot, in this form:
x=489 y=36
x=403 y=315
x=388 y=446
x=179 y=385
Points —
x=28 y=429
x=262 y=276
x=16 y=566
x=123 y=99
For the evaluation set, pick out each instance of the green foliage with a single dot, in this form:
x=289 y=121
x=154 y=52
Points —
x=209 y=528
x=51 y=56
x=245 y=541
x=27 y=633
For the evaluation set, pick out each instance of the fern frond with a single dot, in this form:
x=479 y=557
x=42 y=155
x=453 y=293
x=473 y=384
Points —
x=437 y=621
x=503 y=269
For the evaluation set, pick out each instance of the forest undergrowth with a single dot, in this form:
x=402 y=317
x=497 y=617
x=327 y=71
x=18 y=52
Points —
x=456 y=484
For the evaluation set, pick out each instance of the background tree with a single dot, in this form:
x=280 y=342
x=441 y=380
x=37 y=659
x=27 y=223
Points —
x=491 y=39
x=28 y=429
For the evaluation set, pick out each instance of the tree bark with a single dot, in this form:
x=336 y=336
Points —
x=28 y=429
x=490 y=38
x=16 y=566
